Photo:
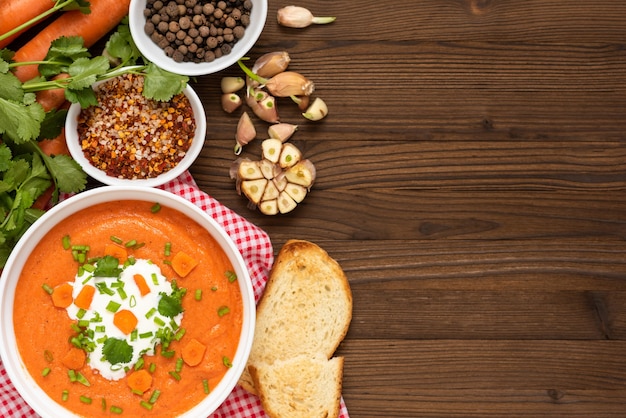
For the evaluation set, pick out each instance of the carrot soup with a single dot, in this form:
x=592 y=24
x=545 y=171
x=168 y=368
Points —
x=128 y=308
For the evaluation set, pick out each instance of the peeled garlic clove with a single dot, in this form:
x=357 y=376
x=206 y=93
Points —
x=299 y=17
x=231 y=102
x=266 y=110
x=254 y=189
x=271 y=192
x=272 y=63
x=297 y=192
x=269 y=169
x=289 y=83
x=269 y=207
x=271 y=149
x=286 y=203
x=282 y=131
x=303 y=173
x=245 y=132
x=317 y=110
x=249 y=170
x=232 y=84
x=289 y=155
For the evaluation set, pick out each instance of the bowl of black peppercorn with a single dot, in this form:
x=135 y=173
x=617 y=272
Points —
x=196 y=37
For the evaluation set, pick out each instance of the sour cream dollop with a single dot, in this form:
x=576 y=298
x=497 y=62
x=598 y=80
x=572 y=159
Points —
x=98 y=318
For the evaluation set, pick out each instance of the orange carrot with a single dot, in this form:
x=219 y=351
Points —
x=116 y=251
x=139 y=381
x=14 y=13
x=54 y=146
x=104 y=16
x=183 y=263
x=85 y=296
x=52 y=99
x=125 y=320
x=193 y=352
x=74 y=359
x=62 y=295
x=140 y=281
x=42 y=201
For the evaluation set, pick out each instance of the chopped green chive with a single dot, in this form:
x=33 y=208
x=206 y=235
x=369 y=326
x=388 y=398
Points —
x=113 y=306
x=155 y=396
x=103 y=289
x=198 y=294
x=116 y=240
x=151 y=312
x=65 y=241
x=131 y=243
x=155 y=208
x=133 y=335
x=155 y=279
x=116 y=410
x=168 y=354
x=168 y=249
x=133 y=301
x=179 y=334
x=205 y=385
x=82 y=379
x=139 y=364
x=146 y=405
x=100 y=328
x=81 y=313
x=227 y=362
x=152 y=368
x=46 y=371
x=122 y=293
x=159 y=321
x=72 y=375
x=104 y=404
x=231 y=276
x=214 y=288
x=65 y=395
x=222 y=310
x=179 y=365
x=85 y=399
x=146 y=334
x=47 y=288
x=48 y=356
x=175 y=375
x=168 y=262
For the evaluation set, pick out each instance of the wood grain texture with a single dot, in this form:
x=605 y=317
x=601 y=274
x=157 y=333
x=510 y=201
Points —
x=472 y=184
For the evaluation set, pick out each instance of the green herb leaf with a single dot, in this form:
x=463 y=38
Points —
x=162 y=85
x=121 y=46
x=20 y=122
x=53 y=124
x=66 y=172
x=117 y=351
x=170 y=306
x=107 y=266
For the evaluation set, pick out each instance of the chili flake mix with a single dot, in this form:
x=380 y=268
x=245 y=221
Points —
x=129 y=136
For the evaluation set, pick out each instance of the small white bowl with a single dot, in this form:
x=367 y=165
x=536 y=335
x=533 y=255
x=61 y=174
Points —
x=23 y=381
x=155 y=54
x=74 y=146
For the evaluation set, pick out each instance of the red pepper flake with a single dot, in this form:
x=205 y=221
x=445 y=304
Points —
x=129 y=136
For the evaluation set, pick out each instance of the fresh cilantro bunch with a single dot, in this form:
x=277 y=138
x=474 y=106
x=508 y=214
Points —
x=26 y=172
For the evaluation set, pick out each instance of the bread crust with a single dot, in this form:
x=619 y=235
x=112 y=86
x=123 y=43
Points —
x=305 y=310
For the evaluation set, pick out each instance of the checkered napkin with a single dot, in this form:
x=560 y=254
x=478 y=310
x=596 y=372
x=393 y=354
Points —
x=256 y=249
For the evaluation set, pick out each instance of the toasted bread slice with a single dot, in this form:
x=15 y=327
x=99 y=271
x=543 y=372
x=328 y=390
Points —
x=300 y=387
x=306 y=308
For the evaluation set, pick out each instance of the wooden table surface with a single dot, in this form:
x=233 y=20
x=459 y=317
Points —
x=471 y=183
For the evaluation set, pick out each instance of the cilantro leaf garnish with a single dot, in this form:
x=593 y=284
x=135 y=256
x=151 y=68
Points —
x=20 y=122
x=170 y=306
x=161 y=85
x=107 y=266
x=117 y=351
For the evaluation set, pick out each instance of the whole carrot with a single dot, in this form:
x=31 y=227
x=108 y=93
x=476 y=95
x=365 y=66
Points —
x=104 y=16
x=14 y=13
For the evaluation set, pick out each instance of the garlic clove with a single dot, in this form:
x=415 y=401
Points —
x=286 y=203
x=254 y=189
x=269 y=169
x=299 y=17
x=317 y=110
x=297 y=192
x=231 y=102
x=250 y=170
x=282 y=131
x=289 y=156
x=303 y=173
x=232 y=84
x=245 y=132
x=266 y=110
x=271 y=149
x=280 y=182
x=271 y=63
x=289 y=83
x=271 y=192
x=301 y=101
x=269 y=207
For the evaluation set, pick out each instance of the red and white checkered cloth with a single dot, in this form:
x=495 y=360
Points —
x=256 y=249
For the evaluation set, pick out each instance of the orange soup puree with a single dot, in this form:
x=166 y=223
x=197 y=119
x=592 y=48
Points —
x=43 y=331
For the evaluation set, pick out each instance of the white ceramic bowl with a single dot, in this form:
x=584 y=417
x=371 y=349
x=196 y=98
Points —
x=15 y=368
x=155 y=54
x=73 y=144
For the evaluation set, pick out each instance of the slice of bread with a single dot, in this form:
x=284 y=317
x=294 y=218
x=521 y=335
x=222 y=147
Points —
x=305 y=310
x=300 y=387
